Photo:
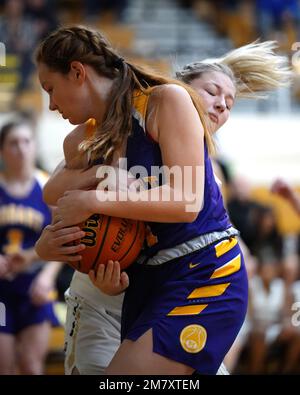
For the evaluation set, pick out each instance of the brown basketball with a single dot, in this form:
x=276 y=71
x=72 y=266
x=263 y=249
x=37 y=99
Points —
x=109 y=238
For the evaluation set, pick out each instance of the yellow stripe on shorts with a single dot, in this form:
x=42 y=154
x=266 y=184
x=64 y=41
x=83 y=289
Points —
x=229 y=268
x=188 y=310
x=225 y=246
x=209 y=291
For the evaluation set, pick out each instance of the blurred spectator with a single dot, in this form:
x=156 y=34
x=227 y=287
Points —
x=267 y=293
x=26 y=283
x=283 y=189
x=42 y=15
x=291 y=242
x=94 y=8
x=268 y=242
x=270 y=314
x=243 y=211
x=274 y=15
x=20 y=38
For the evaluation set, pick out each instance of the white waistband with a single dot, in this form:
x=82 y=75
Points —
x=187 y=247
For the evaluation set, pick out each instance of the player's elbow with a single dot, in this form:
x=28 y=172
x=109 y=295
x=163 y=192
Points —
x=184 y=216
x=192 y=210
x=190 y=216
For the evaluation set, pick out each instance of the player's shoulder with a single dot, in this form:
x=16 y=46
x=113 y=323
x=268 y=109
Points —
x=170 y=98
x=77 y=132
x=75 y=137
x=171 y=91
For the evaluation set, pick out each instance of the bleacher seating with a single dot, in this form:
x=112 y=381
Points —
x=9 y=78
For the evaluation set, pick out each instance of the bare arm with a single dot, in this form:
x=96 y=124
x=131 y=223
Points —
x=65 y=179
x=42 y=288
x=52 y=245
x=22 y=260
x=69 y=174
x=180 y=137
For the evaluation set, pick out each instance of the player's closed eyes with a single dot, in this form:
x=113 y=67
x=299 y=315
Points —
x=210 y=93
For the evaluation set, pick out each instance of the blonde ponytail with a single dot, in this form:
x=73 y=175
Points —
x=254 y=69
x=257 y=68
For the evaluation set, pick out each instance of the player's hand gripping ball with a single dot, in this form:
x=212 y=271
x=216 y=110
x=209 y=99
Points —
x=111 y=238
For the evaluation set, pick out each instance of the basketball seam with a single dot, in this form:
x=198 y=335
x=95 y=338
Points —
x=128 y=250
x=102 y=243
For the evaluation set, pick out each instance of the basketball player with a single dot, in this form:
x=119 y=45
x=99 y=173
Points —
x=184 y=347
x=25 y=281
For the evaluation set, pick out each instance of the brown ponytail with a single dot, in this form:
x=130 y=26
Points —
x=90 y=47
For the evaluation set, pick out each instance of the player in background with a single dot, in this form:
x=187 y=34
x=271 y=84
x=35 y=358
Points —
x=26 y=283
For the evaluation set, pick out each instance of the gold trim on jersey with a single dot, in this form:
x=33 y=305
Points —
x=91 y=125
x=140 y=104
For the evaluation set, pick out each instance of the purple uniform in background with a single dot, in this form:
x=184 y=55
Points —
x=22 y=220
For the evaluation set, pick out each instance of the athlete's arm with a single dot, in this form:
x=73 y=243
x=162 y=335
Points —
x=66 y=179
x=4 y=266
x=22 y=260
x=181 y=140
x=69 y=174
x=43 y=286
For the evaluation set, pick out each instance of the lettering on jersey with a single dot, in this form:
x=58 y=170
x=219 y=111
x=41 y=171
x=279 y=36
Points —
x=12 y=214
x=193 y=338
